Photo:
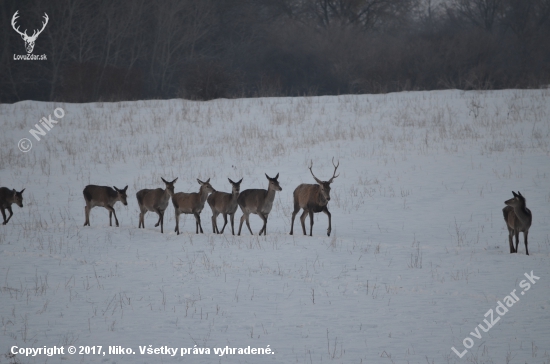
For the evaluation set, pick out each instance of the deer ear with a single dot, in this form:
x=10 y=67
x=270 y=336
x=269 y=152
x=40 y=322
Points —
x=200 y=182
x=514 y=193
x=277 y=176
x=125 y=188
x=163 y=180
x=22 y=190
x=208 y=180
x=240 y=181
x=230 y=181
x=174 y=181
x=14 y=192
x=519 y=193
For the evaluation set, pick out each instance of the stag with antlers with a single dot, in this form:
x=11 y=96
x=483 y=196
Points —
x=313 y=198
x=29 y=41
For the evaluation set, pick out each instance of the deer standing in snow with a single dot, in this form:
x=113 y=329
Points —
x=313 y=198
x=191 y=203
x=518 y=219
x=156 y=201
x=103 y=196
x=259 y=202
x=226 y=204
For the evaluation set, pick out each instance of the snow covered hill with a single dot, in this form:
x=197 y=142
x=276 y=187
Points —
x=417 y=262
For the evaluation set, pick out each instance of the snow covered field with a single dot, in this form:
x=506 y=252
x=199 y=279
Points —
x=417 y=257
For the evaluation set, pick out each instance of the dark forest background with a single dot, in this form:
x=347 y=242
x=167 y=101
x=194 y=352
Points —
x=203 y=49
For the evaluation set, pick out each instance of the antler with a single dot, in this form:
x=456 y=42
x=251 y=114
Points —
x=43 y=26
x=13 y=19
x=35 y=33
x=316 y=179
x=335 y=168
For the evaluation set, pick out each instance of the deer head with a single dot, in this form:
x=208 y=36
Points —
x=29 y=41
x=325 y=185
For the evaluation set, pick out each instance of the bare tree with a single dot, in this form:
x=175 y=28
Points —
x=368 y=14
x=481 y=13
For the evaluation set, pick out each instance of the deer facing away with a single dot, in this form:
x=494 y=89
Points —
x=156 y=201
x=191 y=203
x=259 y=202
x=313 y=199
x=103 y=196
x=8 y=197
x=518 y=219
x=226 y=204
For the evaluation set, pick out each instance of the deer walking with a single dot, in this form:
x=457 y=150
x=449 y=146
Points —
x=518 y=219
x=103 y=196
x=8 y=197
x=313 y=199
x=192 y=203
x=156 y=201
x=259 y=202
x=226 y=204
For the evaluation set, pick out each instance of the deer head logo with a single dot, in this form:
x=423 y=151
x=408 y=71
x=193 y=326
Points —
x=29 y=41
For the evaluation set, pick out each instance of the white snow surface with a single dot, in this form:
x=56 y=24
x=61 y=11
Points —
x=417 y=257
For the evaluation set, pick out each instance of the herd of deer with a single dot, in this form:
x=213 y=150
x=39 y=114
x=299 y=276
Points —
x=312 y=198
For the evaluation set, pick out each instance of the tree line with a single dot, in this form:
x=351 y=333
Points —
x=204 y=49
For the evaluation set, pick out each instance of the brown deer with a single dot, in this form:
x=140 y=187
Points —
x=259 y=202
x=518 y=219
x=191 y=203
x=313 y=199
x=226 y=204
x=103 y=196
x=156 y=201
x=7 y=197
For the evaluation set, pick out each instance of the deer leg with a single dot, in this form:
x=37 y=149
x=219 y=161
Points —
x=292 y=219
x=303 y=221
x=525 y=240
x=160 y=217
x=232 y=217
x=177 y=228
x=198 y=222
x=161 y=220
x=4 y=216
x=141 y=219
x=86 y=214
x=326 y=211
x=517 y=239
x=311 y=223
x=214 y=227
x=248 y=224
x=264 y=228
x=11 y=214
x=224 y=222
x=241 y=224
x=511 y=241
x=112 y=212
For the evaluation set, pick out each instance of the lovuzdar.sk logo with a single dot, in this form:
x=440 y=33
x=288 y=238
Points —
x=29 y=40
